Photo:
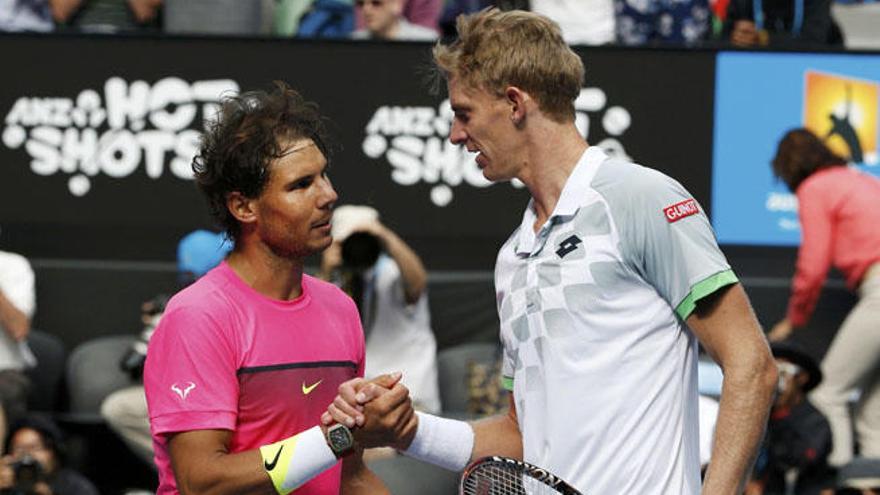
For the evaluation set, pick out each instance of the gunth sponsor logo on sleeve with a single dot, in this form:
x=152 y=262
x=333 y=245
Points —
x=681 y=210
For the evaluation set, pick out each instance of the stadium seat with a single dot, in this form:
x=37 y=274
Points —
x=454 y=369
x=93 y=372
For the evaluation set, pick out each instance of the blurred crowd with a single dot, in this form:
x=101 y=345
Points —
x=739 y=23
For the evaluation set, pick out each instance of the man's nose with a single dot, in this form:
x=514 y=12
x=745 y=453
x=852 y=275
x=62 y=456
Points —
x=328 y=193
x=457 y=135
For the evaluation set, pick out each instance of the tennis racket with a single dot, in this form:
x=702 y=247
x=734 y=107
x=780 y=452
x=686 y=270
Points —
x=504 y=476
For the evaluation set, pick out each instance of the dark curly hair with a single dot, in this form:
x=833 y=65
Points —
x=50 y=434
x=250 y=132
x=799 y=155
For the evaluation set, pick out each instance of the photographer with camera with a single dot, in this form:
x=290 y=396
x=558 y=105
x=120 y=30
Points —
x=388 y=282
x=34 y=463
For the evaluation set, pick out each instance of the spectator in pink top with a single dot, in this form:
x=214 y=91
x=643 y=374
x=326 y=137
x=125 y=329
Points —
x=840 y=222
x=245 y=360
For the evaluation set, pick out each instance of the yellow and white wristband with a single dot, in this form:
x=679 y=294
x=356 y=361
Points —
x=291 y=462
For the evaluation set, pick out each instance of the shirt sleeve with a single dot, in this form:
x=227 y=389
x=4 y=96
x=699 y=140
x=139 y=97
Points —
x=507 y=369
x=814 y=255
x=190 y=375
x=17 y=284
x=668 y=240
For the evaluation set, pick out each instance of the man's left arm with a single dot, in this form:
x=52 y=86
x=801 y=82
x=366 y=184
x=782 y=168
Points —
x=727 y=328
x=14 y=320
x=17 y=298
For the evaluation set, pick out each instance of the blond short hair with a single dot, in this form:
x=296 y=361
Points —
x=497 y=49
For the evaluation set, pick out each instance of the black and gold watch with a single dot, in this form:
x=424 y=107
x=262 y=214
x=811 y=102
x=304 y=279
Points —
x=340 y=440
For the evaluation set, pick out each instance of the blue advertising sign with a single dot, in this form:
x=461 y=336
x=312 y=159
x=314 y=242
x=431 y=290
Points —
x=760 y=96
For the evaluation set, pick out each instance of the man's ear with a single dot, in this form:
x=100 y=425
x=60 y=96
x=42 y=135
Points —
x=517 y=99
x=241 y=207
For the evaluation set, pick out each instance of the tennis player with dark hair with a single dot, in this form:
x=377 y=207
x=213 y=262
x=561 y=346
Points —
x=603 y=291
x=246 y=359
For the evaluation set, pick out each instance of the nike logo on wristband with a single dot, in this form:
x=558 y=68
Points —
x=308 y=390
x=271 y=465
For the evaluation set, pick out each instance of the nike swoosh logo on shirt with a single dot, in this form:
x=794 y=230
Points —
x=307 y=390
x=271 y=465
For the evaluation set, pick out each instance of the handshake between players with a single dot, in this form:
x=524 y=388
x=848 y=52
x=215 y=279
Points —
x=378 y=412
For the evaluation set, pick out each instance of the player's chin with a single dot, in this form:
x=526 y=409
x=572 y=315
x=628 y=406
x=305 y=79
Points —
x=492 y=175
x=321 y=243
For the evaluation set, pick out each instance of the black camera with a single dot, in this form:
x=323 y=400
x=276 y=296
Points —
x=28 y=471
x=360 y=251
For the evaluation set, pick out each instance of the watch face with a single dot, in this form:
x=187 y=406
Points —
x=340 y=438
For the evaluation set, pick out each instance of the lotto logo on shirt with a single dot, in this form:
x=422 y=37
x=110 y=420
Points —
x=844 y=111
x=681 y=210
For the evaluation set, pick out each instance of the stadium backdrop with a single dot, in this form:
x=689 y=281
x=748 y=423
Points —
x=98 y=134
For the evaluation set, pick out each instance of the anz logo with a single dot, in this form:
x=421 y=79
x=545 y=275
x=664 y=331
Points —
x=414 y=141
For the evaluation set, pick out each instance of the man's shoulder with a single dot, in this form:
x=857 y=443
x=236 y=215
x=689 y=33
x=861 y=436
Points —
x=9 y=259
x=624 y=178
x=828 y=180
x=201 y=295
x=324 y=291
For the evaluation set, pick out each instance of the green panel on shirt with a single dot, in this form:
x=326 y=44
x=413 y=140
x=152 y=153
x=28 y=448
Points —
x=703 y=289
x=507 y=383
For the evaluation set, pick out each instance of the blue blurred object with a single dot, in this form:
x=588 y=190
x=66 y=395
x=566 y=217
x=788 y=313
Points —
x=201 y=250
x=709 y=378
x=327 y=19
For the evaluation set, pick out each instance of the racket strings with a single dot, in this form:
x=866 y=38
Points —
x=491 y=479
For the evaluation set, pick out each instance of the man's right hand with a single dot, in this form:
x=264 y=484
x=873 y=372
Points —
x=380 y=408
x=7 y=474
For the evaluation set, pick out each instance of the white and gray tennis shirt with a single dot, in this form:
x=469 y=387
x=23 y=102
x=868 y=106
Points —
x=592 y=310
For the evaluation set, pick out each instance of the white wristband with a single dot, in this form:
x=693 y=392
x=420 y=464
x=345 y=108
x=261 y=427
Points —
x=293 y=461
x=447 y=443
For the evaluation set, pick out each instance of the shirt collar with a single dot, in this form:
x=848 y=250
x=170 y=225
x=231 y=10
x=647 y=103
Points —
x=578 y=183
x=570 y=200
